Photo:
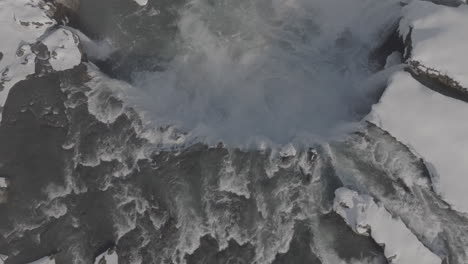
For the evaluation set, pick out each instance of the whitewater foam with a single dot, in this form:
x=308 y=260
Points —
x=270 y=71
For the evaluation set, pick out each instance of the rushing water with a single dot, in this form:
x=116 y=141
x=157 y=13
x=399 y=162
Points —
x=88 y=178
x=249 y=70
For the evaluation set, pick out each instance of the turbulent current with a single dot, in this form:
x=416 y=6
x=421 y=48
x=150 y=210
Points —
x=279 y=71
x=115 y=159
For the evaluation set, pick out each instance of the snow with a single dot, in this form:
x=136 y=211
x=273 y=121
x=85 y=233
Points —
x=366 y=217
x=439 y=37
x=3 y=183
x=44 y=260
x=110 y=257
x=393 y=59
x=64 y=51
x=22 y=22
x=141 y=2
x=18 y=70
x=433 y=126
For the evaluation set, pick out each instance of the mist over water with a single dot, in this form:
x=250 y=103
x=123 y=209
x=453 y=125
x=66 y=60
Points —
x=273 y=70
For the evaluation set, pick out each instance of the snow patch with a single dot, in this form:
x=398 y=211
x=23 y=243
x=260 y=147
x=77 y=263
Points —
x=141 y=2
x=108 y=257
x=393 y=59
x=3 y=258
x=17 y=70
x=64 y=51
x=3 y=183
x=44 y=260
x=366 y=217
x=433 y=126
x=22 y=22
x=438 y=37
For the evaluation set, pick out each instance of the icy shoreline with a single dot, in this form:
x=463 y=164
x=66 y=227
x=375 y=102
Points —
x=366 y=217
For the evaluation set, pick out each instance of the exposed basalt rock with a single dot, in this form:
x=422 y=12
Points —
x=408 y=44
x=437 y=81
x=431 y=77
x=452 y=3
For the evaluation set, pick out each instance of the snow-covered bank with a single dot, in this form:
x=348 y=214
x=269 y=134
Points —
x=22 y=22
x=366 y=217
x=438 y=37
x=433 y=126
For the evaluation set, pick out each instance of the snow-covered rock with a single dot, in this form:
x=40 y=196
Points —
x=108 y=257
x=3 y=258
x=434 y=126
x=3 y=183
x=63 y=48
x=366 y=217
x=141 y=2
x=438 y=38
x=44 y=260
